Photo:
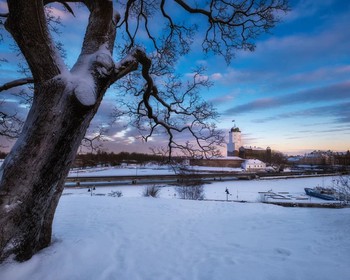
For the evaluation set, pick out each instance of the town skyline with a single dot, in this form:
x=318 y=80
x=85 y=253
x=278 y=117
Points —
x=291 y=93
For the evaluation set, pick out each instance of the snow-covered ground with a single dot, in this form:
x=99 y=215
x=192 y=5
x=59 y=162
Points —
x=103 y=238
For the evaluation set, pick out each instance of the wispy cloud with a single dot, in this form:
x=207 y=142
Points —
x=307 y=8
x=299 y=51
x=316 y=76
x=223 y=99
x=339 y=112
x=322 y=94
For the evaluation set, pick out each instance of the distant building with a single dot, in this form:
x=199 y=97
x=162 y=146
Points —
x=238 y=156
x=317 y=158
x=342 y=158
x=253 y=165
x=235 y=148
x=255 y=152
x=234 y=142
x=232 y=162
x=322 y=158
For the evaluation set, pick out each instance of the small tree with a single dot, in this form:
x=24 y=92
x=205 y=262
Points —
x=189 y=187
x=191 y=190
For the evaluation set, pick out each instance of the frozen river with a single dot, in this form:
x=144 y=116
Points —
x=247 y=190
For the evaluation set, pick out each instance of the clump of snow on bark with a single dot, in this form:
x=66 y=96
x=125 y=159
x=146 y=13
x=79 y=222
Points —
x=104 y=64
x=85 y=92
x=83 y=74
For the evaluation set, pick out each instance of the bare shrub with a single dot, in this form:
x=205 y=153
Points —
x=190 y=192
x=193 y=190
x=116 y=194
x=152 y=191
x=342 y=187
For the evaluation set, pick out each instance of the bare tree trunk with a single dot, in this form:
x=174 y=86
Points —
x=33 y=174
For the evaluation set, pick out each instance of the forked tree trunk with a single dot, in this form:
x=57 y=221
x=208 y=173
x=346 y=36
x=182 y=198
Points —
x=35 y=170
x=33 y=174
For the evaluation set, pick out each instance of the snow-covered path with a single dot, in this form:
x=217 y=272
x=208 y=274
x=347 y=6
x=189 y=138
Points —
x=102 y=237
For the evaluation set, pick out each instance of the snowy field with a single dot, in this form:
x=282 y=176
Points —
x=101 y=237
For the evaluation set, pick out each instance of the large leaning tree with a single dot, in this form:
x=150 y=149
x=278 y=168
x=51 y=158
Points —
x=64 y=100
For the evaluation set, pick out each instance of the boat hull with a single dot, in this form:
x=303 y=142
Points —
x=319 y=194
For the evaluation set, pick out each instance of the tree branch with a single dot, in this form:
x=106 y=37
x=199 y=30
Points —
x=124 y=67
x=27 y=24
x=184 y=112
x=93 y=142
x=16 y=83
x=232 y=25
x=88 y=3
x=10 y=125
x=101 y=28
x=193 y=10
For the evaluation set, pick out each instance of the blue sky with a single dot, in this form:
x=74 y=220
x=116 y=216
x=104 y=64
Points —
x=292 y=93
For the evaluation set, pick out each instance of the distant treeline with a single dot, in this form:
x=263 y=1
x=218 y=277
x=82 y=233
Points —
x=112 y=159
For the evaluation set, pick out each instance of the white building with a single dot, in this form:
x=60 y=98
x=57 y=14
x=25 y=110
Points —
x=253 y=165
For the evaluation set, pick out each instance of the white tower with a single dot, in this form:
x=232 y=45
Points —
x=234 y=141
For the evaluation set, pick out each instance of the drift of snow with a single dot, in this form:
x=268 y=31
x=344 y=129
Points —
x=102 y=237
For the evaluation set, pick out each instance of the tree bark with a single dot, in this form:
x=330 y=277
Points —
x=33 y=174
